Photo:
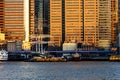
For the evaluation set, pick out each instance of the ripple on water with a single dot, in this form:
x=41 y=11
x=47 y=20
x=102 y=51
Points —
x=84 y=70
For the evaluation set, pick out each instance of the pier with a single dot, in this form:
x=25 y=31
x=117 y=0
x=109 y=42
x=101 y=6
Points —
x=84 y=55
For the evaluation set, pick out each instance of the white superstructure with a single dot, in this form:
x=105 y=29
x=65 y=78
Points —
x=69 y=46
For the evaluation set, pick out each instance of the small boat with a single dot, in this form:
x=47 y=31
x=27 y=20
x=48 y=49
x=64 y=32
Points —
x=53 y=59
x=3 y=55
x=76 y=57
x=114 y=58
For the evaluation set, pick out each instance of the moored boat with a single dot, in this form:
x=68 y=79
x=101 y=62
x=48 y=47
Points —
x=53 y=59
x=3 y=55
x=114 y=58
x=76 y=57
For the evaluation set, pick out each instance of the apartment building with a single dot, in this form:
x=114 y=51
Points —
x=84 y=21
x=14 y=19
x=118 y=16
x=56 y=21
x=91 y=22
x=114 y=19
x=2 y=16
x=74 y=21
x=31 y=18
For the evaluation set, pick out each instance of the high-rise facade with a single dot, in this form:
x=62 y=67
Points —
x=31 y=18
x=90 y=21
x=39 y=17
x=73 y=20
x=1 y=15
x=84 y=21
x=114 y=19
x=56 y=21
x=104 y=23
x=17 y=19
x=118 y=16
x=14 y=19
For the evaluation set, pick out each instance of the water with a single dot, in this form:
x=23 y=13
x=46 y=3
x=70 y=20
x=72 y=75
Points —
x=84 y=70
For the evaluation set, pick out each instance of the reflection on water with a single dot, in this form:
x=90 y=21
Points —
x=84 y=70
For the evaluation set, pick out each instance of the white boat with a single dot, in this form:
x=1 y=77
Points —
x=3 y=55
x=76 y=57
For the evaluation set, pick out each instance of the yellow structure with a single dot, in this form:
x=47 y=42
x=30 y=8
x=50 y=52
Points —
x=2 y=36
x=26 y=45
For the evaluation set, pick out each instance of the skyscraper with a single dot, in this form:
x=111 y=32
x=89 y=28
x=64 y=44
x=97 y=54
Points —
x=32 y=17
x=118 y=16
x=17 y=19
x=14 y=19
x=1 y=16
x=74 y=20
x=39 y=17
x=84 y=21
x=90 y=21
x=104 y=23
x=56 y=21
x=114 y=18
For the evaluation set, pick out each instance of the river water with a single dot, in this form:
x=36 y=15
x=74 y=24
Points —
x=83 y=70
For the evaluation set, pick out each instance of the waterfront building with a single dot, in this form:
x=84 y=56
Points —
x=17 y=19
x=31 y=12
x=1 y=16
x=105 y=22
x=118 y=28
x=84 y=21
x=80 y=21
x=39 y=6
x=73 y=21
x=56 y=21
x=114 y=20
x=14 y=19
x=41 y=16
x=118 y=17
x=91 y=22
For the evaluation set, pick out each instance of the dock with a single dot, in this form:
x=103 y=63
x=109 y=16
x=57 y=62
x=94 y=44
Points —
x=58 y=56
